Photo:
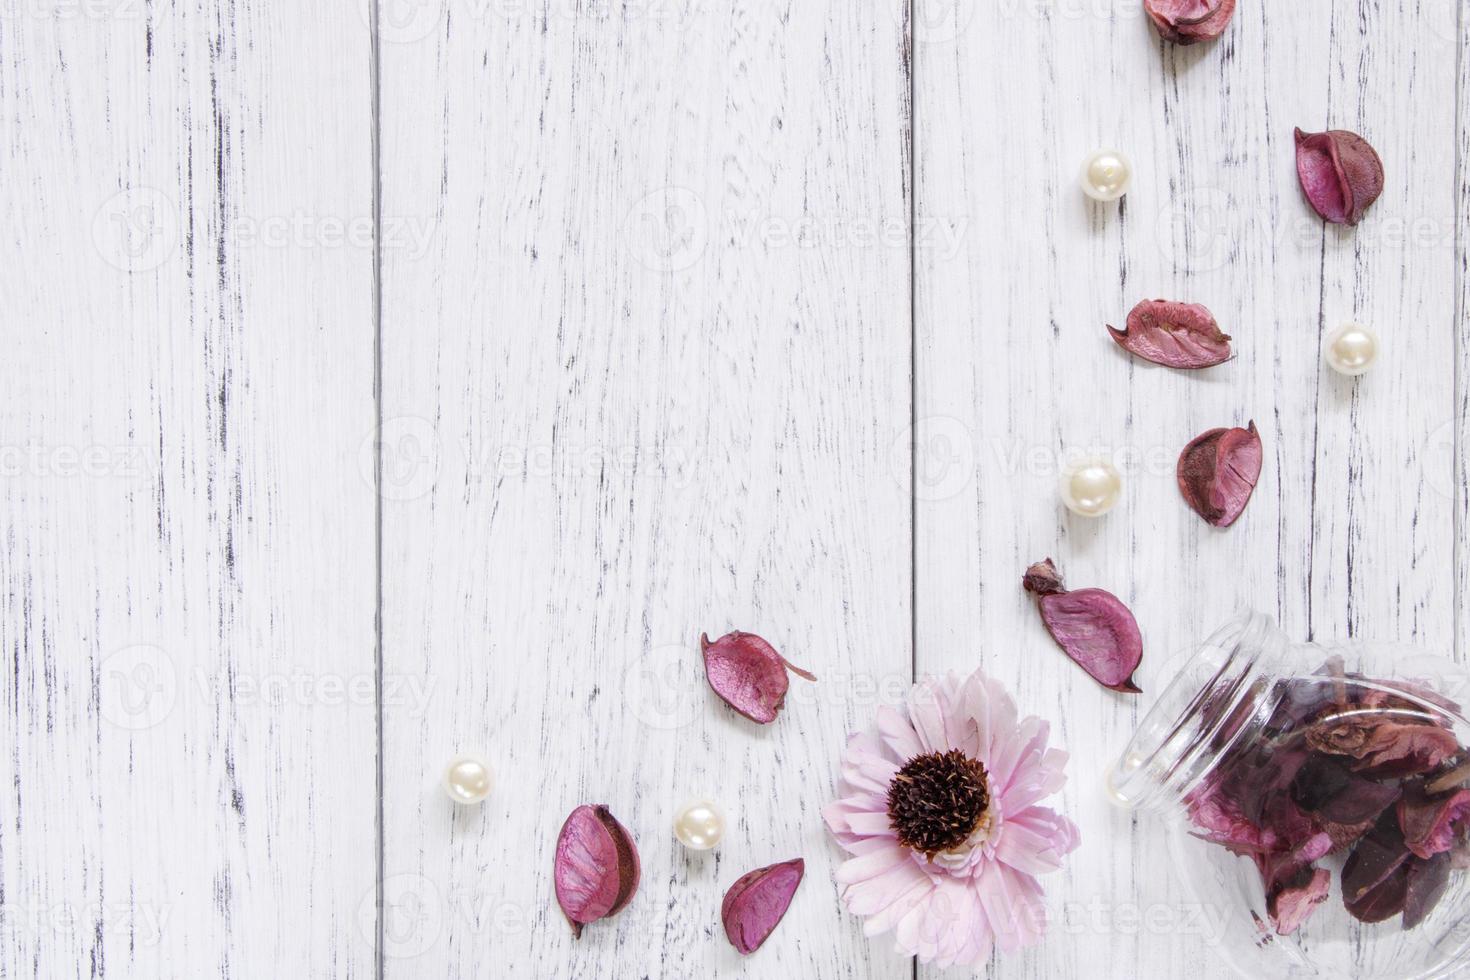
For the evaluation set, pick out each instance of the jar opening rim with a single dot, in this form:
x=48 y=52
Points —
x=1166 y=750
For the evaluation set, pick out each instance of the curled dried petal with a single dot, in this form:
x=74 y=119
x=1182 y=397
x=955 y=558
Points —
x=1218 y=472
x=756 y=902
x=1290 y=906
x=1092 y=626
x=1190 y=21
x=1383 y=744
x=597 y=867
x=748 y=674
x=1340 y=174
x=1430 y=823
x=1177 y=335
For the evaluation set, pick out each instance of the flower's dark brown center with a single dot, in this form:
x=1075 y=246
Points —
x=937 y=800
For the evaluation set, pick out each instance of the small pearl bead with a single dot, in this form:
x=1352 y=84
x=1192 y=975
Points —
x=468 y=780
x=699 y=824
x=1091 y=488
x=1106 y=175
x=1351 y=350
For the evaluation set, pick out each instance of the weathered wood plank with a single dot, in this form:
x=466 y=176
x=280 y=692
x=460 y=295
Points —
x=186 y=573
x=654 y=364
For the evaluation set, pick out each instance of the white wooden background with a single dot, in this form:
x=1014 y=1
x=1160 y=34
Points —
x=385 y=382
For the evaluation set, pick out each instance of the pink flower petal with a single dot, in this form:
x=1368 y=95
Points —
x=893 y=903
x=857 y=869
x=898 y=734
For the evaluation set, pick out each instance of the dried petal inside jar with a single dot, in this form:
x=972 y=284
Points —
x=1345 y=765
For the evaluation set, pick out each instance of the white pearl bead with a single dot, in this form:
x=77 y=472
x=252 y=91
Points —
x=468 y=780
x=1351 y=350
x=1091 y=488
x=1106 y=175
x=699 y=824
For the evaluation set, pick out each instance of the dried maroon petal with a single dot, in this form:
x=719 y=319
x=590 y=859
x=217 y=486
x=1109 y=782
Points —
x=1384 y=745
x=1332 y=793
x=1293 y=902
x=1178 y=335
x=1428 y=879
x=1453 y=779
x=1430 y=823
x=757 y=901
x=1190 y=21
x=1375 y=878
x=1218 y=471
x=597 y=869
x=1339 y=172
x=1092 y=626
x=748 y=674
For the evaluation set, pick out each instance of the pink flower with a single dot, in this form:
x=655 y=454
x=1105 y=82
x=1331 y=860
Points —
x=939 y=812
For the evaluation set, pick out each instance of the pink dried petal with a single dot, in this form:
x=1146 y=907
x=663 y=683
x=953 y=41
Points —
x=1218 y=472
x=748 y=674
x=1092 y=626
x=757 y=901
x=1430 y=823
x=1190 y=21
x=597 y=868
x=1177 y=335
x=1340 y=174
x=1290 y=906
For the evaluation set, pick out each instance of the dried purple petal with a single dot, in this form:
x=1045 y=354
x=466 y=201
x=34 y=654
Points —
x=1218 y=471
x=1428 y=879
x=1375 y=879
x=597 y=868
x=756 y=902
x=1190 y=21
x=1092 y=626
x=748 y=674
x=1332 y=793
x=1177 y=335
x=1293 y=902
x=1339 y=172
x=1430 y=823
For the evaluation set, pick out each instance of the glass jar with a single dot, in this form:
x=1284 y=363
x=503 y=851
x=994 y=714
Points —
x=1322 y=791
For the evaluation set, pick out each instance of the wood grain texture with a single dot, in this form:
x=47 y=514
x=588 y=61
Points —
x=650 y=379
x=1345 y=534
x=648 y=368
x=187 y=570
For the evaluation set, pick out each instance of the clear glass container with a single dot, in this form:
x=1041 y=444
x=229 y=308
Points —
x=1284 y=777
